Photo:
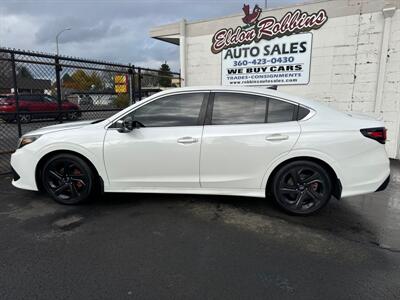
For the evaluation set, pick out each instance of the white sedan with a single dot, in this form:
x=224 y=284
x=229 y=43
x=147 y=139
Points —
x=210 y=140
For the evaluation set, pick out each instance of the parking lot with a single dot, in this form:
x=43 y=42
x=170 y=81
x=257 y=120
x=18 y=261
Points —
x=203 y=247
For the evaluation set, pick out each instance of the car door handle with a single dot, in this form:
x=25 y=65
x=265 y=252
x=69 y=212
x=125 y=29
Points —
x=277 y=137
x=187 y=140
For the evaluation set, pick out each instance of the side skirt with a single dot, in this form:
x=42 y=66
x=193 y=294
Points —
x=259 y=193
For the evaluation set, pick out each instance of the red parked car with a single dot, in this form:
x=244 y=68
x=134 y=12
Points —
x=37 y=106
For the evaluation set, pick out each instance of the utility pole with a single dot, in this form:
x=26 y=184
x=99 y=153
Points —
x=58 y=34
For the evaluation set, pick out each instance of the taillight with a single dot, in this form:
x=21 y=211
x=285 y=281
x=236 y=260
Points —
x=378 y=134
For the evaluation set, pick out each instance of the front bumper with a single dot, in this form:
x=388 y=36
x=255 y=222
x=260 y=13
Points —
x=384 y=184
x=23 y=164
x=15 y=174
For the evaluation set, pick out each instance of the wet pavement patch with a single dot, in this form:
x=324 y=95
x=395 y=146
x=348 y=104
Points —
x=69 y=223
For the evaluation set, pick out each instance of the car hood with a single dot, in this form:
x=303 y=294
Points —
x=59 y=127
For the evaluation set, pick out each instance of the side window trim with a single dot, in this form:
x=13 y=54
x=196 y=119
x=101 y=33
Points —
x=204 y=108
x=210 y=107
x=266 y=110
x=295 y=113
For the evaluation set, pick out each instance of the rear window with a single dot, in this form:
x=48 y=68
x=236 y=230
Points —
x=30 y=97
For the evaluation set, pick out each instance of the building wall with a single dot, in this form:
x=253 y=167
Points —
x=344 y=67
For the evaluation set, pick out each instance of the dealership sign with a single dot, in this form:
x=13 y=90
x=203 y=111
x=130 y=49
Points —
x=267 y=50
x=281 y=61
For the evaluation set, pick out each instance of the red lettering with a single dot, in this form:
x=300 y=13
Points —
x=268 y=27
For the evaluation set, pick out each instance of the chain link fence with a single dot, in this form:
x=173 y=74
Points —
x=38 y=89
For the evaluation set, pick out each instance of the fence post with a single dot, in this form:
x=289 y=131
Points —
x=140 y=83
x=131 y=84
x=58 y=85
x=15 y=84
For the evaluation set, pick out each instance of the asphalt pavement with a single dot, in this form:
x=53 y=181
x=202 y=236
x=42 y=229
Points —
x=143 y=246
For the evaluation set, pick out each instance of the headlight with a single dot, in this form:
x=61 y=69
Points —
x=26 y=140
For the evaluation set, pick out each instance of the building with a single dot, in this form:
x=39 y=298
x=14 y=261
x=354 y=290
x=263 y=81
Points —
x=25 y=85
x=26 y=82
x=351 y=59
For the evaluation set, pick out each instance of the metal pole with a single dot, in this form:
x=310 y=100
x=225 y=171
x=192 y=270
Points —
x=132 y=84
x=129 y=83
x=140 y=83
x=58 y=84
x=58 y=34
x=15 y=84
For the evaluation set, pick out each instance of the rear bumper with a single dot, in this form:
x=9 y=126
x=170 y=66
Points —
x=367 y=179
x=383 y=185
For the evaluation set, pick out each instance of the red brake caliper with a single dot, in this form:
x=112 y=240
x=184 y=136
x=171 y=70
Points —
x=77 y=172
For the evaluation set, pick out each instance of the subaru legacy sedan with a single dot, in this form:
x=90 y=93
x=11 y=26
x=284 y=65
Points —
x=210 y=140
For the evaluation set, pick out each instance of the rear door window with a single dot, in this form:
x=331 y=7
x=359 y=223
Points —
x=237 y=108
x=302 y=113
x=280 y=111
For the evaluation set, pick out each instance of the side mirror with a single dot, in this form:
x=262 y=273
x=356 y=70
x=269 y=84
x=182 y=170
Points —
x=125 y=125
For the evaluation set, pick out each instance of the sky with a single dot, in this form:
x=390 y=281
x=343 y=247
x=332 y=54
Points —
x=111 y=30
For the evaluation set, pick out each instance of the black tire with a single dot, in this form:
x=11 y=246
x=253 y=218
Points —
x=68 y=179
x=301 y=187
x=25 y=117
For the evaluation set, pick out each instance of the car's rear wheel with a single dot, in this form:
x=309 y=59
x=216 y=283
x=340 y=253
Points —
x=68 y=179
x=302 y=187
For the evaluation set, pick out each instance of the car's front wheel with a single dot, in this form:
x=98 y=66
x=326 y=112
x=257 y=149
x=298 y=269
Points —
x=68 y=179
x=302 y=187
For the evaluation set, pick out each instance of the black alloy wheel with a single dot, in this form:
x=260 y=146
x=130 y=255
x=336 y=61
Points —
x=72 y=115
x=302 y=187
x=25 y=117
x=68 y=179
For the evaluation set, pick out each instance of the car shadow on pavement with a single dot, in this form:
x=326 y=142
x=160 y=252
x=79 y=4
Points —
x=338 y=217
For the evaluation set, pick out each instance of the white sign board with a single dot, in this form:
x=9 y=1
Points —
x=280 y=61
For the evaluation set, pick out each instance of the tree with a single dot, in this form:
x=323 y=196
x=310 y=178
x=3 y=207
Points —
x=66 y=77
x=165 y=76
x=81 y=81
